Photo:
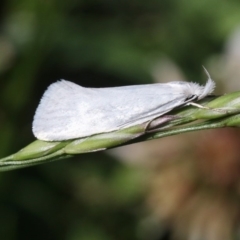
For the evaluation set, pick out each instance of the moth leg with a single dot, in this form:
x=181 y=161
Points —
x=156 y=123
x=223 y=110
x=196 y=105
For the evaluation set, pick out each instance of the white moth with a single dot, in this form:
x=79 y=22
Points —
x=68 y=111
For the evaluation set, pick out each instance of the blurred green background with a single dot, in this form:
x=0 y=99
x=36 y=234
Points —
x=97 y=43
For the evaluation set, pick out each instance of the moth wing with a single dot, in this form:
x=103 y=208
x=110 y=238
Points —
x=67 y=110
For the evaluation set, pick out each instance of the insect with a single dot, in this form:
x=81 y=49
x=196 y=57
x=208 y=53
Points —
x=68 y=111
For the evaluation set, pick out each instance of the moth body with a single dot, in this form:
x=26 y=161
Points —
x=68 y=111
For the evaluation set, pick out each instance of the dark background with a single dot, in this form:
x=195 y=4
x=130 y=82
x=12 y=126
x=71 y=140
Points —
x=99 y=43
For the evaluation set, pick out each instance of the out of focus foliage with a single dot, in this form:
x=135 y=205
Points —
x=101 y=43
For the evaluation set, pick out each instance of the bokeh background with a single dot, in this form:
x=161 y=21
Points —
x=181 y=187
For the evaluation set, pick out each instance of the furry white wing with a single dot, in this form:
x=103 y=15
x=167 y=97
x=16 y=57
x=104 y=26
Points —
x=68 y=111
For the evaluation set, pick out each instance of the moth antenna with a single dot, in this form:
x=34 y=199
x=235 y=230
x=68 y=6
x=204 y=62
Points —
x=209 y=86
x=207 y=73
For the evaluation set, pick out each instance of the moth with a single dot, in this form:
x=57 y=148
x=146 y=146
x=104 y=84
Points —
x=69 y=111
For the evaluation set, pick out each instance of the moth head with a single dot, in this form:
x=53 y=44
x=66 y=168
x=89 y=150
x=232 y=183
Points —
x=194 y=91
x=203 y=91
